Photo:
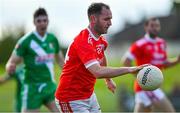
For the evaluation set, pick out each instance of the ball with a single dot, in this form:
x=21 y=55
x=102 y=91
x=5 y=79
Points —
x=150 y=78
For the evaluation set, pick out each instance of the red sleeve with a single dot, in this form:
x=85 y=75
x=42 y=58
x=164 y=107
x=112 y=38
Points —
x=135 y=50
x=85 y=52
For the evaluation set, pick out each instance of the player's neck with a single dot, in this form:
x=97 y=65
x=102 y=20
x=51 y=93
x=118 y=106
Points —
x=42 y=34
x=152 y=36
x=94 y=32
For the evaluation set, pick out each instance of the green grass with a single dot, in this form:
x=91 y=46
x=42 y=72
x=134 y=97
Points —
x=107 y=100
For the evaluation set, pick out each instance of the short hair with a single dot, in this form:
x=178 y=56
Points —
x=150 y=19
x=95 y=8
x=40 y=12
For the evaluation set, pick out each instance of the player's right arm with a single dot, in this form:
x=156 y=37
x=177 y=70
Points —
x=111 y=72
x=127 y=61
x=60 y=59
x=13 y=61
x=130 y=55
x=16 y=56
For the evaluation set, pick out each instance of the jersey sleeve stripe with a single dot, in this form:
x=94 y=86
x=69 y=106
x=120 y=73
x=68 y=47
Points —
x=91 y=62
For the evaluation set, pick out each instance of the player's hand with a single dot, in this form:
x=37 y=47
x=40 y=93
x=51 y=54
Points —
x=137 y=68
x=10 y=68
x=111 y=85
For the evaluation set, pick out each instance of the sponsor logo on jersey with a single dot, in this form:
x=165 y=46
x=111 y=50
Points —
x=44 y=59
x=158 y=56
x=100 y=48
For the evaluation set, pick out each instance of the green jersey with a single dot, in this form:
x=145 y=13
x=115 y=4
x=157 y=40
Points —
x=38 y=54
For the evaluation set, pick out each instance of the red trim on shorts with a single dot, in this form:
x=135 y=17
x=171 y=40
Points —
x=69 y=107
x=65 y=107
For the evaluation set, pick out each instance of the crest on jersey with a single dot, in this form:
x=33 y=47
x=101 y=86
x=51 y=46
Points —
x=90 y=39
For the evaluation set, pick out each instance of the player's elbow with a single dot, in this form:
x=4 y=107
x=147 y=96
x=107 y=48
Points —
x=97 y=71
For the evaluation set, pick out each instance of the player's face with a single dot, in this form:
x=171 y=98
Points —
x=103 y=21
x=41 y=23
x=153 y=28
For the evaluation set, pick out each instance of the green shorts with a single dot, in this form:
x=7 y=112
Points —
x=36 y=94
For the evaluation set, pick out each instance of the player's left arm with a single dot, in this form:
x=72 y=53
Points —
x=172 y=62
x=109 y=82
x=60 y=59
x=58 y=53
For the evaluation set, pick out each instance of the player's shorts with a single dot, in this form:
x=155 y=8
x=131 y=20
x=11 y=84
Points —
x=36 y=94
x=89 y=105
x=147 y=97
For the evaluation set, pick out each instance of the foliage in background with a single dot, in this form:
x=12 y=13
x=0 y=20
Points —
x=10 y=35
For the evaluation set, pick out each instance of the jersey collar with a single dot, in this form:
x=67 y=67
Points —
x=39 y=36
x=95 y=38
x=147 y=37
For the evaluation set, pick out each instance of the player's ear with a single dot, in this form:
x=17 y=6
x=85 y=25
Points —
x=92 y=19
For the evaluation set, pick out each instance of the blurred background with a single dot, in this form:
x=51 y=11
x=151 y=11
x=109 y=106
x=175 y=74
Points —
x=68 y=17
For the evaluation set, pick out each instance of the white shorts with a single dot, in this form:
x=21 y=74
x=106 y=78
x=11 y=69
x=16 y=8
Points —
x=147 y=97
x=89 y=105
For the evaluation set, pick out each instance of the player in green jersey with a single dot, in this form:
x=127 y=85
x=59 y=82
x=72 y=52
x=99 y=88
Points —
x=19 y=77
x=38 y=50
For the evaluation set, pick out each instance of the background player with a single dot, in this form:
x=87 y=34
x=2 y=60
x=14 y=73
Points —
x=37 y=50
x=19 y=77
x=85 y=62
x=150 y=49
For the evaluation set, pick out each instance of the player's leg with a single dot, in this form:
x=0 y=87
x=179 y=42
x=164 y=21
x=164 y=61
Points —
x=52 y=106
x=30 y=111
x=94 y=105
x=163 y=103
x=139 y=107
x=48 y=96
x=31 y=99
x=142 y=102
